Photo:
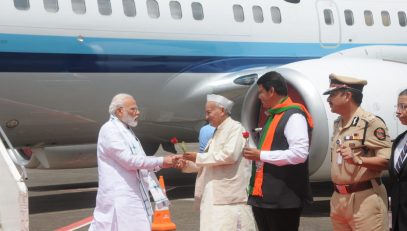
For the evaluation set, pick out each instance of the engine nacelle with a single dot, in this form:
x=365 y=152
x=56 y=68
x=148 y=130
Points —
x=301 y=90
x=383 y=67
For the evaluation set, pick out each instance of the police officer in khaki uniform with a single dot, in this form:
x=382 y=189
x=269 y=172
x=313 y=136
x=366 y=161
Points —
x=360 y=151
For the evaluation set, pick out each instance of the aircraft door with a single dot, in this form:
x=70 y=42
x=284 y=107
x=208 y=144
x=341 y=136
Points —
x=329 y=24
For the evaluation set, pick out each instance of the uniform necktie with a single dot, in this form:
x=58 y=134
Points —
x=401 y=158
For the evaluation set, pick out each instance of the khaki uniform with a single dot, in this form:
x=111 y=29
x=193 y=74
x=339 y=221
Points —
x=367 y=136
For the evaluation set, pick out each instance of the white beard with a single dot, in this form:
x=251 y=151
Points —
x=131 y=121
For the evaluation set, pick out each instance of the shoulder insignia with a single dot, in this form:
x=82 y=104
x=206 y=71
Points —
x=380 y=133
x=355 y=121
x=370 y=117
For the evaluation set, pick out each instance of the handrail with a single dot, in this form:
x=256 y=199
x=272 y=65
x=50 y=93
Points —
x=15 y=157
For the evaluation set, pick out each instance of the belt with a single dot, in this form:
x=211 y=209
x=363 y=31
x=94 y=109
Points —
x=356 y=187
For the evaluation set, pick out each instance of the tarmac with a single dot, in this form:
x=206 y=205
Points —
x=58 y=198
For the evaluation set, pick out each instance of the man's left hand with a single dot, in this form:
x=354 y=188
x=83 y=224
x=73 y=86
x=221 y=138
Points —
x=251 y=153
x=346 y=153
x=191 y=156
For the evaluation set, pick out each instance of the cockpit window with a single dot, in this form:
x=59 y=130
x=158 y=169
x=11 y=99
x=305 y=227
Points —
x=293 y=1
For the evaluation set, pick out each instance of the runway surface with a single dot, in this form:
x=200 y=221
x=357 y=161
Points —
x=60 y=197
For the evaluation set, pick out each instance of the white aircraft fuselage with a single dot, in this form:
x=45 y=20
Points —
x=60 y=67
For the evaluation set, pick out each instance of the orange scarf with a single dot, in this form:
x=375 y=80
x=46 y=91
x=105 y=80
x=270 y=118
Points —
x=266 y=140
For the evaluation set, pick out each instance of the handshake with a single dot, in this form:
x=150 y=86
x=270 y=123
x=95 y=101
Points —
x=178 y=161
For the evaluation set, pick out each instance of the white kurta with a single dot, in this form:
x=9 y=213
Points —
x=223 y=175
x=119 y=201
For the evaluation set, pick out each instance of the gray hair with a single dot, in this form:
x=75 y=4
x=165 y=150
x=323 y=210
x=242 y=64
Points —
x=404 y=92
x=118 y=102
x=228 y=110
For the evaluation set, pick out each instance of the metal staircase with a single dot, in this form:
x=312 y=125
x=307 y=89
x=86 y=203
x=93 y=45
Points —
x=13 y=192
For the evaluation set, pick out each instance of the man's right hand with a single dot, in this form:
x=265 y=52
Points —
x=168 y=161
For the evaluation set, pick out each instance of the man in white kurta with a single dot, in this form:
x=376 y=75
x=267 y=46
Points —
x=122 y=201
x=223 y=174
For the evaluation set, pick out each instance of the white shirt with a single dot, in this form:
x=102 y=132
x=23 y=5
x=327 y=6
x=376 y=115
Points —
x=119 y=201
x=399 y=148
x=296 y=133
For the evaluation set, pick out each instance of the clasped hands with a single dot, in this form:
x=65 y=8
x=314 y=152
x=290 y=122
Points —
x=179 y=160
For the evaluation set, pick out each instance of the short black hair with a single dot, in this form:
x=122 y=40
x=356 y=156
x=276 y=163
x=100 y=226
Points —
x=357 y=97
x=273 y=80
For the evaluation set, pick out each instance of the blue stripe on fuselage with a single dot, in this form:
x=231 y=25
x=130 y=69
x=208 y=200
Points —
x=40 y=62
x=40 y=53
x=157 y=47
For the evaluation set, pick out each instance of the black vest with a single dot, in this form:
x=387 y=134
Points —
x=284 y=186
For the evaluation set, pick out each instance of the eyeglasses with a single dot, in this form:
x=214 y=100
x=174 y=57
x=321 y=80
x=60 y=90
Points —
x=401 y=106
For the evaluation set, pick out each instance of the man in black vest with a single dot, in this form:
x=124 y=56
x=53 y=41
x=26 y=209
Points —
x=279 y=186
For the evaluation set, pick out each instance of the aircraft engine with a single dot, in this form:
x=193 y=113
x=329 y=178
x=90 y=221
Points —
x=384 y=68
x=302 y=91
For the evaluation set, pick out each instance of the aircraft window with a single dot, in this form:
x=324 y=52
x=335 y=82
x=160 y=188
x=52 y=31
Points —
x=129 y=8
x=197 y=11
x=386 y=18
x=349 y=18
x=238 y=13
x=22 y=4
x=78 y=6
x=329 y=17
x=275 y=14
x=105 y=8
x=51 y=6
x=153 y=9
x=368 y=18
x=175 y=9
x=258 y=14
x=402 y=18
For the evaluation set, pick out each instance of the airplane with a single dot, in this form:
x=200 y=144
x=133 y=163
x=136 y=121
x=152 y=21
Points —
x=63 y=61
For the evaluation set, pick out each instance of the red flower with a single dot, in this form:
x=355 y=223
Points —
x=174 y=141
x=245 y=134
